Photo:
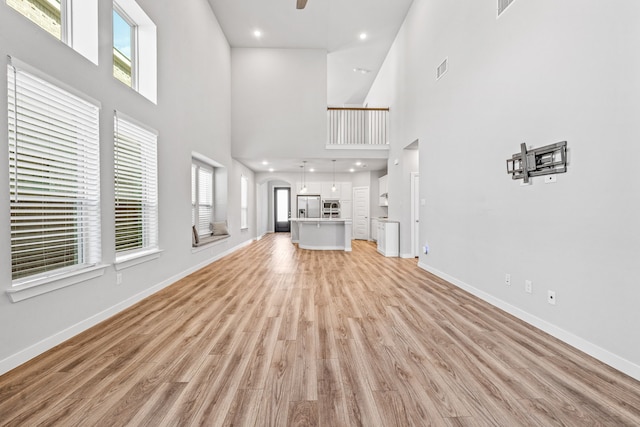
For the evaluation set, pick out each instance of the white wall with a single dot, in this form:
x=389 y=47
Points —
x=279 y=103
x=544 y=72
x=192 y=114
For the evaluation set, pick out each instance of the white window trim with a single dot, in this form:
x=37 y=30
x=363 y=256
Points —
x=79 y=26
x=124 y=257
x=130 y=260
x=146 y=49
x=198 y=202
x=134 y=44
x=195 y=250
x=244 y=201
x=33 y=288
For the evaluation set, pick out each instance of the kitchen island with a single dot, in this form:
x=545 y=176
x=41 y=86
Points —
x=330 y=234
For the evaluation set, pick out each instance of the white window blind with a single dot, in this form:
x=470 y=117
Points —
x=136 y=194
x=205 y=200
x=54 y=173
x=244 y=202
x=202 y=205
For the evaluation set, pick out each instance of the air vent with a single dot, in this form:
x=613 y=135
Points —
x=503 y=5
x=442 y=68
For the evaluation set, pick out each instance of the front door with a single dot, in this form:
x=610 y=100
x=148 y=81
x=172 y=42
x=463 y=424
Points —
x=361 y=213
x=282 y=213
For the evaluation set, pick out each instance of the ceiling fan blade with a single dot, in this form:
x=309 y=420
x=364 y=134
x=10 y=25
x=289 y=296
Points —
x=301 y=4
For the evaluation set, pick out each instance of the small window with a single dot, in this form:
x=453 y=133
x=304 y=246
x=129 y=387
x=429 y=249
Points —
x=48 y=14
x=54 y=177
x=134 y=48
x=124 y=47
x=136 y=188
x=202 y=197
x=75 y=22
x=208 y=199
x=244 y=202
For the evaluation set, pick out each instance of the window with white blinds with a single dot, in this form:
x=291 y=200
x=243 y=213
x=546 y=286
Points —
x=136 y=188
x=54 y=177
x=244 y=202
x=201 y=197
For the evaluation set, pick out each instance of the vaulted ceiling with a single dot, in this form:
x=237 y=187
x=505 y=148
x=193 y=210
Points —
x=334 y=25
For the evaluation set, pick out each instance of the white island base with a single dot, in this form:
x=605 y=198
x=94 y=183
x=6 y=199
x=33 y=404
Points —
x=322 y=234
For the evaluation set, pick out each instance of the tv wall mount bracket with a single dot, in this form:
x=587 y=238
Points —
x=547 y=160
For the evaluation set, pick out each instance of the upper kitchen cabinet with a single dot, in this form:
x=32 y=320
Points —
x=383 y=186
x=327 y=194
x=343 y=191
x=312 y=188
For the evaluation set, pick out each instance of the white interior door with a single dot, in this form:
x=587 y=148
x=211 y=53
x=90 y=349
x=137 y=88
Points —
x=415 y=213
x=361 y=213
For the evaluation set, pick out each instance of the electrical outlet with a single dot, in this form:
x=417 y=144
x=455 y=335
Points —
x=551 y=297
x=528 y=286
x=118 y=278
x=507 y=279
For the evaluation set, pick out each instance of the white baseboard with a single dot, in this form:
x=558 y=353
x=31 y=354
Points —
x=407 y=256
x=575 y=341
x=48 y=343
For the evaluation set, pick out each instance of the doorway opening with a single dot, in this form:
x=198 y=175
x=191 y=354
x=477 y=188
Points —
x=282 y=209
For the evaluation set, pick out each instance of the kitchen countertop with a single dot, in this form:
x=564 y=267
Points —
x=321 y=219
x=384 y=219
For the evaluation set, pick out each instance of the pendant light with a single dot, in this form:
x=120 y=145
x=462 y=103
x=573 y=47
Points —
x=304 y=184
x=333 y=187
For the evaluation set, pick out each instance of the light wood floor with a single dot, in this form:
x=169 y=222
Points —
x=273 y=335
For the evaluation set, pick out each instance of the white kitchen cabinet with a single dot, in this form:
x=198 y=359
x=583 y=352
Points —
x=383 y=186
x=389 y=238
x=313 y=188
x=374 y=229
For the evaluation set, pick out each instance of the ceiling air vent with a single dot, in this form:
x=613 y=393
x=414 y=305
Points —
x=442 y=68
x=503 y=5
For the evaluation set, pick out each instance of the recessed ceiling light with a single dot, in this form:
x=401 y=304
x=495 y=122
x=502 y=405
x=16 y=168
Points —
x=352 y=170
x=358 y=163
x=361 y=70
x=363 y=36
x=312 y=170
x=257 y=34
x=271 y=169
x=265 y=163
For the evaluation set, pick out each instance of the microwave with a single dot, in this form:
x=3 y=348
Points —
x=331 y=205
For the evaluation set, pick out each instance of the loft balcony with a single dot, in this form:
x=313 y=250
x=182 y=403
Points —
x=358 y=128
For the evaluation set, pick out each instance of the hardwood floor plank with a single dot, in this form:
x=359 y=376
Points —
x=303 y=414
x=243 y=408
x=361 y=406
x=157 y=405
x=329 y=338
x=274 y=407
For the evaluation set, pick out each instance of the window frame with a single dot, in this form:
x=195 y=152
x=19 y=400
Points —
x=78 y=26
x=133 y=28
x=145 y=55
x=244 y=203
x=196 y=166
x=48 y=94
x=126 y=127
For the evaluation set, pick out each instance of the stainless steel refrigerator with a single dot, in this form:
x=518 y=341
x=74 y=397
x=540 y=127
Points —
x=308 y=206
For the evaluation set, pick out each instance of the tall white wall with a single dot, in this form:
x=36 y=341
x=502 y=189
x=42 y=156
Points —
x=545 y=71
x=193 y=113
x=279 y=103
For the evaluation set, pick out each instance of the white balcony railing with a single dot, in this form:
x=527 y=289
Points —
x=358 y=126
